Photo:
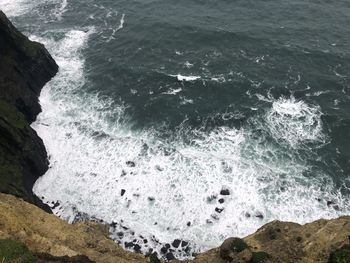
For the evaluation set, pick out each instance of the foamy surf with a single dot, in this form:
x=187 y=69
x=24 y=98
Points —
x=189 y=191
x=185 y=78
x=61 y=9
x=199 y=187
x=16 y=8
x=199 y=190
x=295 y=122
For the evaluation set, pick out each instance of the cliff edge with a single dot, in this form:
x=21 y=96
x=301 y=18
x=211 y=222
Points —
x=25 y=67
x=322 y=241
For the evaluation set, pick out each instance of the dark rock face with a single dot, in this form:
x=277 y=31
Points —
x=25 y=67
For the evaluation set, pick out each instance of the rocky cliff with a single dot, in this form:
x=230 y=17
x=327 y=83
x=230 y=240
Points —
x=45 y=233
x=25 y=67
x=48 y=237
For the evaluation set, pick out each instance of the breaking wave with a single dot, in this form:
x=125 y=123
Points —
x=191 y=187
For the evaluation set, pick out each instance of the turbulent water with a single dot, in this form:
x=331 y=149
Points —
x=193 y=120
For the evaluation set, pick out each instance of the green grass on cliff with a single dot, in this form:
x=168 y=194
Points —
x=341 y=255
x=14 y=252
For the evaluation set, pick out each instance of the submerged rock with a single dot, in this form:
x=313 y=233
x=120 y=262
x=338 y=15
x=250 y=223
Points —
x=259 y=215
x=211 y=198
x=130 y=164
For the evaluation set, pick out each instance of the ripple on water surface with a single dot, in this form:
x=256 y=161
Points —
x=182 y=194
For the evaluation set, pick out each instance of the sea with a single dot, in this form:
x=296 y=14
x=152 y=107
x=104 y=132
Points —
x=181 y=123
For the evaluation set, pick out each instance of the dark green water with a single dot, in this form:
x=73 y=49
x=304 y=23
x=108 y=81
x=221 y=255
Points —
x=252 y=96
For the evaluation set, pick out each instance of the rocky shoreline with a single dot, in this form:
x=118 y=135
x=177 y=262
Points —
x=28 y=233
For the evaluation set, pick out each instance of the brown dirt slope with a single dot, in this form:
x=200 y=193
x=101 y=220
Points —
x=322 y=241
x=45 y=233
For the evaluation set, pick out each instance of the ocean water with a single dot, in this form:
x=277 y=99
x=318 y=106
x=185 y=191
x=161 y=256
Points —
x=193 y=120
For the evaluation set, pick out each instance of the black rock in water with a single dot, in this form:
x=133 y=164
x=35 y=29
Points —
x=184 y=244
x=137 y=248
x=176 y=243
x=219 y=210
x=164 y=250
x=170 y=256
x=225 y=191
x=55 y=204
x=128 y=244
x=329 y=203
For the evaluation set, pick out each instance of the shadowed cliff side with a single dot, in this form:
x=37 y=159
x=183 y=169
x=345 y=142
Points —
x=25 y=67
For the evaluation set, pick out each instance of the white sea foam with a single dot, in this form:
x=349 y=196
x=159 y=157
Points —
x=114 y=29
x=185 y=78
x=14 y=8
x=94 y=155
x=219 y=79
x=61 y=9
x=122 y=21
x=173 y=91
x=188 y=64
x=295 y=122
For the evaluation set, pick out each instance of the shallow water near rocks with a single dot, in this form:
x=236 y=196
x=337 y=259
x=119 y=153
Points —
x=181 y=124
